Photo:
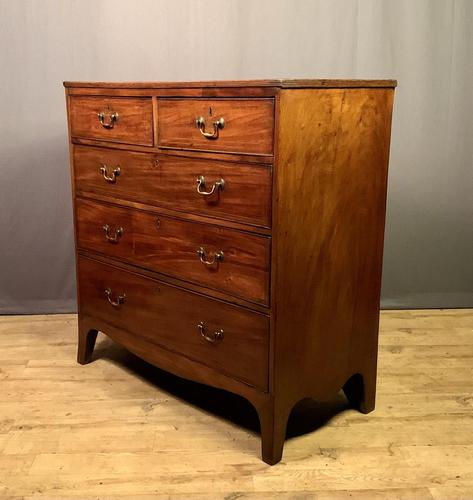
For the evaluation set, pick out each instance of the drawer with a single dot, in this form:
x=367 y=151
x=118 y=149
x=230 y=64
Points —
x=224 y=259
x=115 y=119
x=172 y=182
x=236 y=340
x=227 y=125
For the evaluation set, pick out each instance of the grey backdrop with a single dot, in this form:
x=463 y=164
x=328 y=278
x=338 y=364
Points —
x=427 y=45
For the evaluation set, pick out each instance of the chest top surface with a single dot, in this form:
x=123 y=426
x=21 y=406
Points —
x=283 y=83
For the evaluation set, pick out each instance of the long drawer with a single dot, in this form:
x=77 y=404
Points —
x=116 y=119
x=233 y=191
x=228 y=125
x=228 y=338
x=224 y=259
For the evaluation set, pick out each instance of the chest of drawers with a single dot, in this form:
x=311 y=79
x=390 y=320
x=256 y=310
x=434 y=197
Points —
x=232 y=233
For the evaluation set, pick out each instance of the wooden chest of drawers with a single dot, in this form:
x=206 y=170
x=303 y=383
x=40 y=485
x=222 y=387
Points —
x=232 y=233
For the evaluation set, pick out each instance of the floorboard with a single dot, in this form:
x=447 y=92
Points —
x=119 y=428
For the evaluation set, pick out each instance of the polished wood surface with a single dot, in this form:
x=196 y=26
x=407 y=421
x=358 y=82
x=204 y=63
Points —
x=326 y=281
x=169 y=245
x=210 y=292
x=208 y=155
x=173 y=213
x=249 y=124
x=169 y=316
x=303 y=253
x=196 y=92
x=171 y=182
x=121 y=429
x=133 y=126
x=297 y=83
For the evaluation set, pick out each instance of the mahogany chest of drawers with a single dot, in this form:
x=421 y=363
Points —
x=232 y=233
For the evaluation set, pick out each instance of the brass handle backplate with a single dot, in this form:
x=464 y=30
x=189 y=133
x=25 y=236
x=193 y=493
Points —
x=118 y=301
x=110 y=178
x=217 y=186
x=118 y=233
x=212 y=338
x=218 y=257
x=217 y=125
x=112 y=119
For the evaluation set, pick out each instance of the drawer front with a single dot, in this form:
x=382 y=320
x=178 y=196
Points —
x=237 y=339
x=227 y=125
x=232 y=261
x=116 y=119
x=172 y=182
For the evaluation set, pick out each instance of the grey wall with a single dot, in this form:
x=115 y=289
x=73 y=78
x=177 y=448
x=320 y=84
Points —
x=427 y=45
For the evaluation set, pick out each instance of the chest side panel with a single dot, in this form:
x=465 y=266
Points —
x=328 y=235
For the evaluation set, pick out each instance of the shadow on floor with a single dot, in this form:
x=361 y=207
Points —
x=307 y=416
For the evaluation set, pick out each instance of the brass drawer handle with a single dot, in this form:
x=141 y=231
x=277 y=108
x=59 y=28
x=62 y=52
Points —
x=118 y=233
x=217 y=125
x=119 y=300
x=218 y=257
x=214 y=337
x=110 y=178
x=218 y=185
x=112 y=119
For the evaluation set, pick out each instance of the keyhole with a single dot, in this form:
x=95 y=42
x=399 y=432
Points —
x=210 y=110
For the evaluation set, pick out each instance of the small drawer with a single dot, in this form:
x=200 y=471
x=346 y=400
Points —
x=115 y=119
x=242 y=126
x=235 y=191
x=224 y=259
x=228 y=338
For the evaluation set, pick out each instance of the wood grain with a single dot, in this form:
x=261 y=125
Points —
x=333 y=149
x=168 y=317
x=249 y=125
x=169 y=181
x=209 y=155
x=216 y=294
x=134 y=124
x=173 y=213
x=231 y=92
x=70 y=431
x=169 y=245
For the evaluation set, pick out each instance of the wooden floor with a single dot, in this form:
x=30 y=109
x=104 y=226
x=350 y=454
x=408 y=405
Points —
x=119 y=428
